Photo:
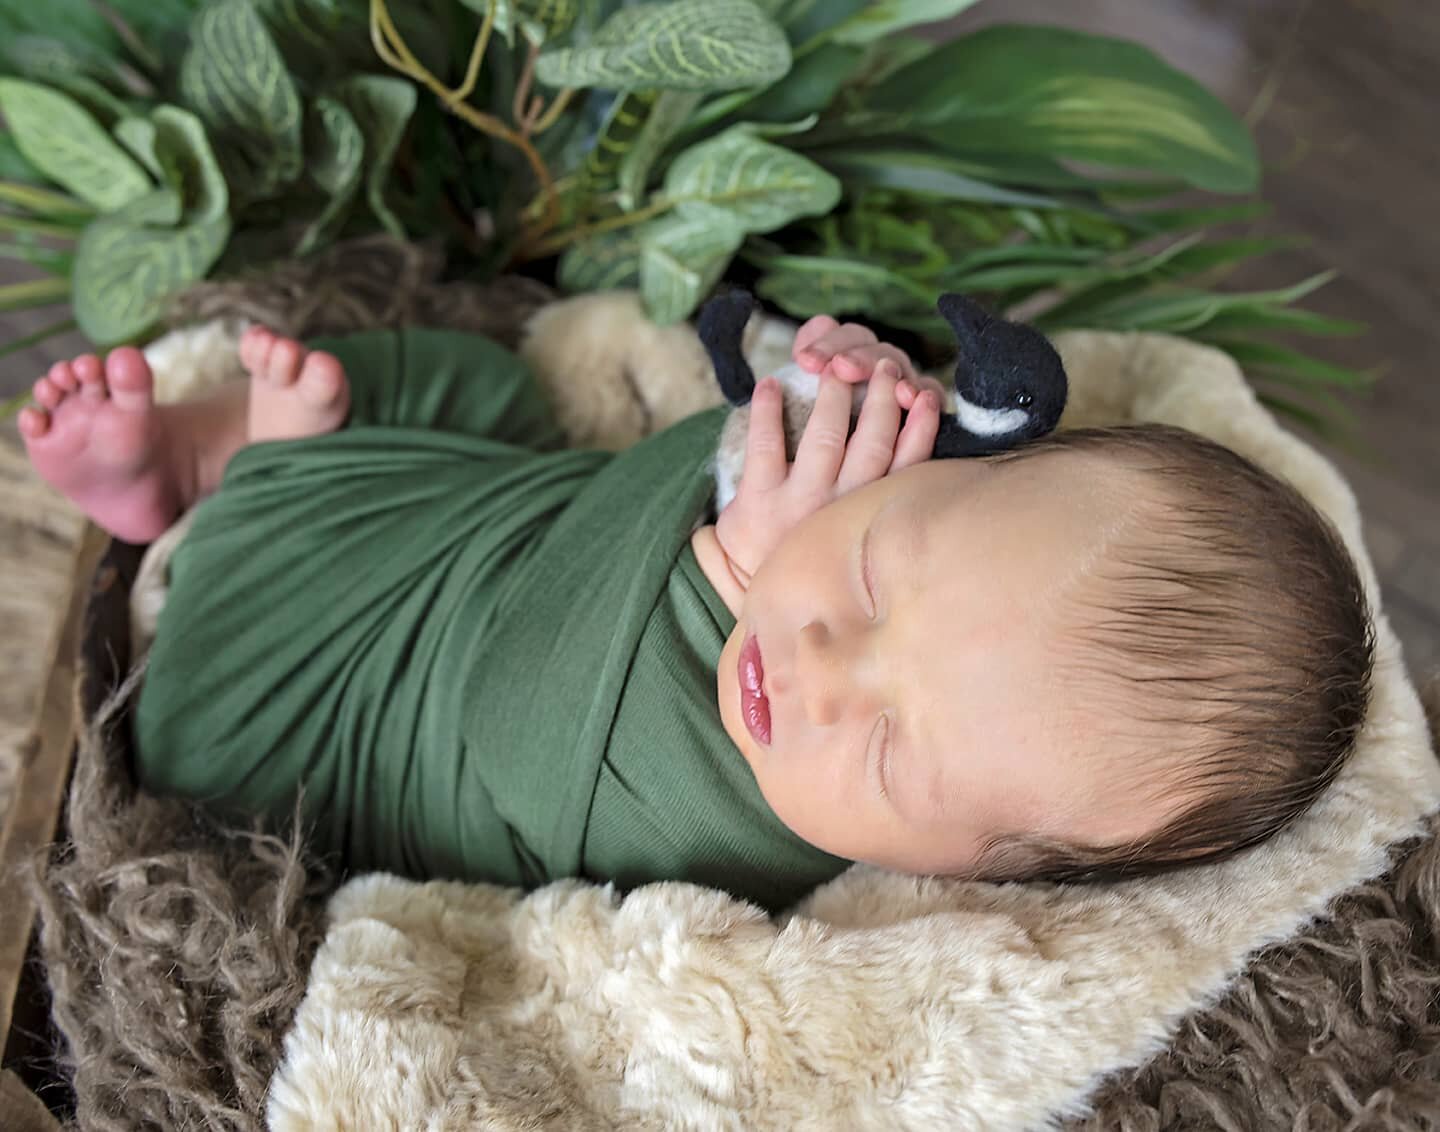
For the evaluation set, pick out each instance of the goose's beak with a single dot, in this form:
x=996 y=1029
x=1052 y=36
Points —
x=980 y=421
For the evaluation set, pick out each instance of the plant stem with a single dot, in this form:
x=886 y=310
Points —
x=564 y=239
x=10 y=223
x=477 y=53
x=34 y=293
x=391 y=48
x=42 y=201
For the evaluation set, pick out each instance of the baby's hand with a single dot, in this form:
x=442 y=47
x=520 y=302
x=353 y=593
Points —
x=851 y=352
x=774 y=495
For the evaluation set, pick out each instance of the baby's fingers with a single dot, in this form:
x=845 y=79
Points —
x=872 y=447
x=916 y=442
x=861 y=363
x=822 y=445
x=765 y=458
x=810 y=330
x=819 y=350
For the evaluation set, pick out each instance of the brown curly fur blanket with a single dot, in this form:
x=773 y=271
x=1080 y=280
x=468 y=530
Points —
x=177 y=950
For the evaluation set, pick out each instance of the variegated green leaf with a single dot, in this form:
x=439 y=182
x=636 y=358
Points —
x=762 y=186
x=235 y=79
x=381 y=107
x=607 y=262
x=65 y=143
x=682 y=258
x=138 y=136
x=687 y=45
x=126 y=269
x=624 y=122
x=336 y=160
x=183 y=151
x=884 y=17
x=666 y=118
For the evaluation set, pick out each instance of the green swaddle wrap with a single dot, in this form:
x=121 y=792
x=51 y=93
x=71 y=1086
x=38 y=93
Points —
x=484 y=656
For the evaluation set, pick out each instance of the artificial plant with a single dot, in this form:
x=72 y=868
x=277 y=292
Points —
x=809 y=148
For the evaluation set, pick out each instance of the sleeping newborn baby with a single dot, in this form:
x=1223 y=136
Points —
x=478 y=654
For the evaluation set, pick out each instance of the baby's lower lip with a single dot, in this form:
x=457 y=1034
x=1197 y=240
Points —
x=754 y=705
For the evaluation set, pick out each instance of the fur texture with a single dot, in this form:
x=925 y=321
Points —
x=176 y=951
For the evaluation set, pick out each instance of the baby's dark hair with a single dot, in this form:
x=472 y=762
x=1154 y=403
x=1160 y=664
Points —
x=1240 y=617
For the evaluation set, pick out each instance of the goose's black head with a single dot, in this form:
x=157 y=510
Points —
x=1010 y=384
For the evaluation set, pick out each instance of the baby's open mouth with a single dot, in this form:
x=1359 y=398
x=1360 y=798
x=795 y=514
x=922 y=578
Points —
x=753 y=704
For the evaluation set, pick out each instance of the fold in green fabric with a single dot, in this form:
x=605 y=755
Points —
x=482 y=655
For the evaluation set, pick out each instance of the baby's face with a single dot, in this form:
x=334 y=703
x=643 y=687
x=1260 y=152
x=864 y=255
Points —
x=913 y=717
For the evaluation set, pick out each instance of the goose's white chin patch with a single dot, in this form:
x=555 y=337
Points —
x=988 y=422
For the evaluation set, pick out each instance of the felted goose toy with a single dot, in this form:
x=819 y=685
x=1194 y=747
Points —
x=1010 y=385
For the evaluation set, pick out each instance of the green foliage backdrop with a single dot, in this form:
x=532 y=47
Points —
x=812 y=149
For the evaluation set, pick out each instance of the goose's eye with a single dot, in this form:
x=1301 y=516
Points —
x=1024 y=400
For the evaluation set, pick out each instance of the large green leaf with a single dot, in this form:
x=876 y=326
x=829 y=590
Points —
x=76 y=70
x=1050 y=92
x=609 y=261
x=65 y=143
x=183 y=152
x=381 y=107
x=667 y=115
x=762 y=186
x=336 y=153
x=884 y=17
x=234 y=78
x=686 y=45
x=682 y=258
x=809 y=285
x=126 y=266
x=921 y=172
x=1181 y=311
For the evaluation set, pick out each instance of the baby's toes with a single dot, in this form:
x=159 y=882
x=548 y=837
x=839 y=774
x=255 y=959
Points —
x=34 y=423
x=132 y=387
x=47 y=393
x=92 y=378
x=62 y=375
x=255 y=346
x=283 y=365
x=322 y=380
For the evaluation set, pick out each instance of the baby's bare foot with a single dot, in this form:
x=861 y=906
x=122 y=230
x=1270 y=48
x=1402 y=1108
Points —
x=98 y=438
x=293 y=392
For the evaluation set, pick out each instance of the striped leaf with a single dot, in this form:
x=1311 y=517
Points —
x=624 y=122
x=762 y=186
x=609 y=261
x=235 y=79
x=336 y=150
x=682 y=258
x=687 y=45
x=381 y=107
x=1045 y=93
x=190 y=166
x=126 y=267
x=666 y=118
x=62 y=140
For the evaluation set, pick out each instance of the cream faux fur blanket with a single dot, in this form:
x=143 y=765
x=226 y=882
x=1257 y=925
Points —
x=882 y=1001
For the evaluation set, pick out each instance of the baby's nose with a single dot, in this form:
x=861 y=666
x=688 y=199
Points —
x=829 y=671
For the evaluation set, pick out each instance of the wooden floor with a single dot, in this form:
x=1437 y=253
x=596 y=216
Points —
x=1350 y=94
